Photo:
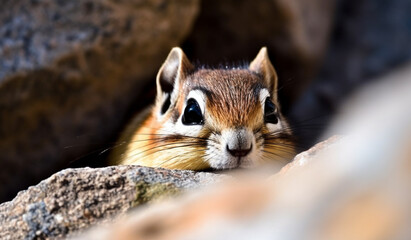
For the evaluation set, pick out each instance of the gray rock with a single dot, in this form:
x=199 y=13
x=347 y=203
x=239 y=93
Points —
x=369 y=39
x=74 y=199
x=69 y=70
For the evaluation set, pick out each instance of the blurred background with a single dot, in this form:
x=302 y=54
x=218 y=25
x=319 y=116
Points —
x=72 y=73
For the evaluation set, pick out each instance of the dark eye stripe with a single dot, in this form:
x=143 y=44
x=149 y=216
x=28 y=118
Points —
x=206 y=91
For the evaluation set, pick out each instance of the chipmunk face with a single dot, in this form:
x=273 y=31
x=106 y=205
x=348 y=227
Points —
x=218 y=118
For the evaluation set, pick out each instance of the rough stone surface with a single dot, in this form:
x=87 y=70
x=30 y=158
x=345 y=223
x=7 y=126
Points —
x=74 y=199
x=69 y=70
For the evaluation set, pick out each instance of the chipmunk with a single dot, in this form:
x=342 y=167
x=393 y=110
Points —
x=209 y=118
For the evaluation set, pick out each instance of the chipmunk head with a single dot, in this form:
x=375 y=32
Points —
x=218 y=118
x=222 y=118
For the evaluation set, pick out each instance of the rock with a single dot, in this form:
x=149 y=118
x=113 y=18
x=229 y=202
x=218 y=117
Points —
x=74 y=199
x=304 y=158
x=295 y=33
x=359 y=49
x=69 y=70
x=367 y=41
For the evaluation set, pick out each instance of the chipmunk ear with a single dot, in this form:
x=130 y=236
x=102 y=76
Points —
x=170 y=76
x=262 y=65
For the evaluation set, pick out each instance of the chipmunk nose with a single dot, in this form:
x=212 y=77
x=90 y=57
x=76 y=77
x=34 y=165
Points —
x=238 y=142
x=239 y=152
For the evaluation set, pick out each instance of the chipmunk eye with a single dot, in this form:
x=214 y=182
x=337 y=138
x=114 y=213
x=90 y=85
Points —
x=192 y=114
x=270 y=115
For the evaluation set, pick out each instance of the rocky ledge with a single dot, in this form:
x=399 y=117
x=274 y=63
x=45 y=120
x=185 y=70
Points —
x=74 y=199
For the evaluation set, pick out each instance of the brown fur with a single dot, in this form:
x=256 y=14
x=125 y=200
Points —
x=232 y=98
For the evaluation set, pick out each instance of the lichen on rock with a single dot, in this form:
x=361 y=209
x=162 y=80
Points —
x=75 y=199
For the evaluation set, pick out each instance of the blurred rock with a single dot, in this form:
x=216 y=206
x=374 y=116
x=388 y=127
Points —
x=369 y=39
x=304 y=158
x=68 y=72
x=295 y=32
x=75 y=199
